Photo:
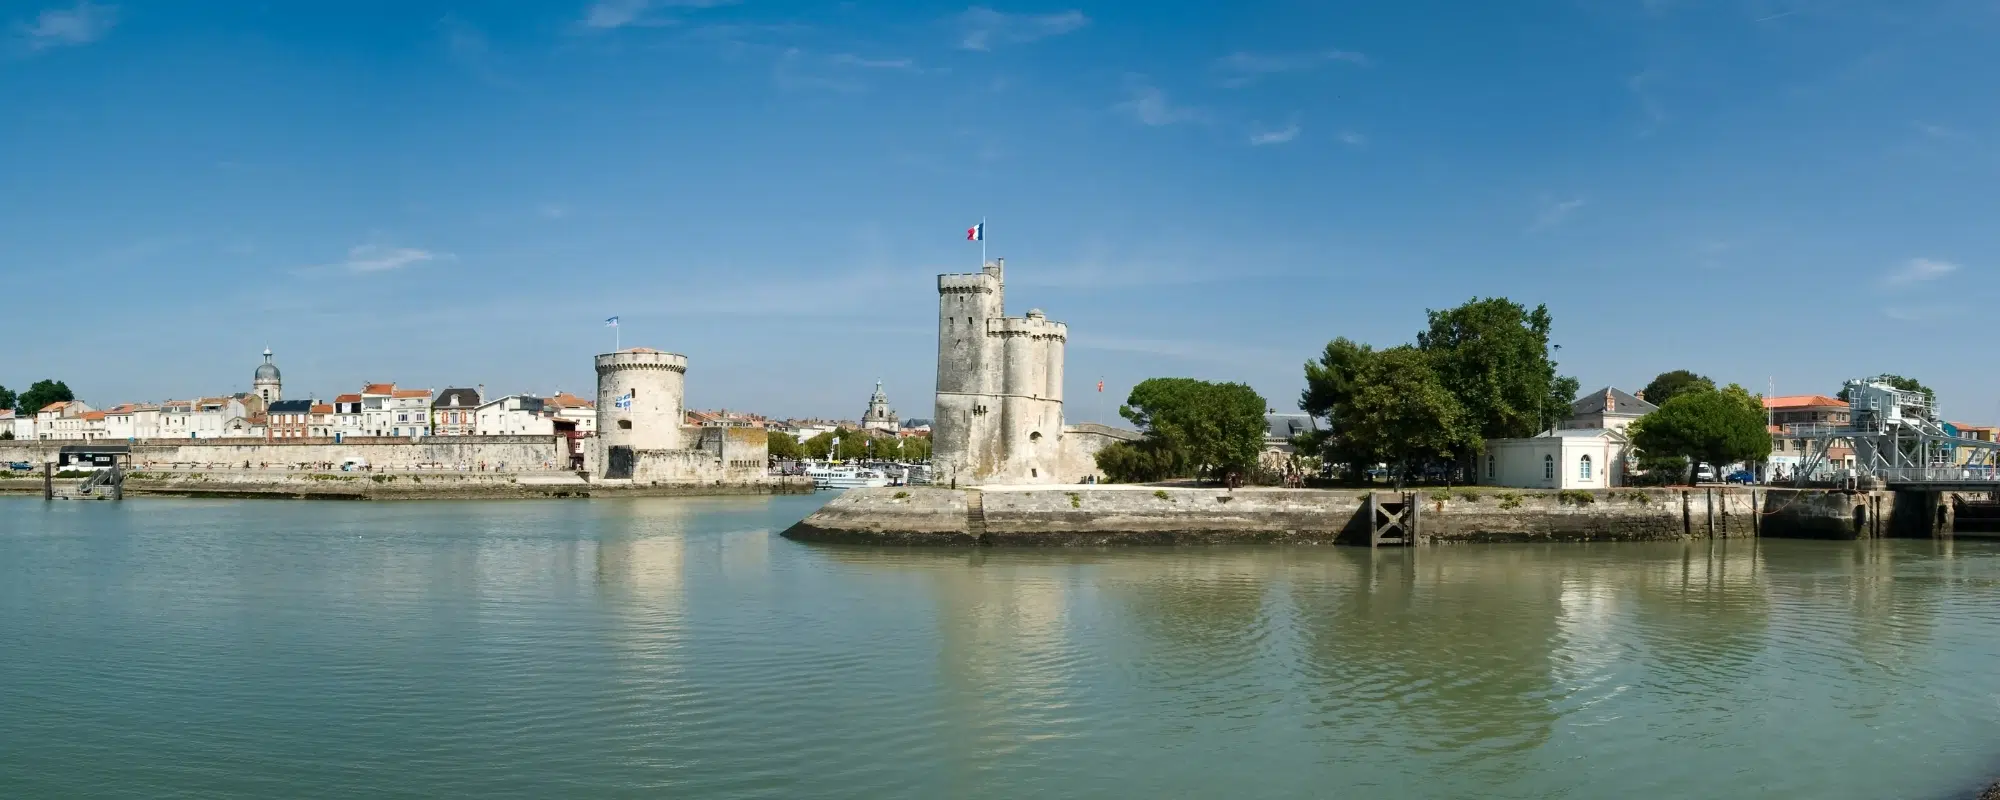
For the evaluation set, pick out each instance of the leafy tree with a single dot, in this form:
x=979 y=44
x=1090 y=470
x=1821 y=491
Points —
x=1403 y=413
x=1669 y=385
x=885 y=447
x=917 y=448
x=1143 y=461
x=7 y=398
x=785 y=446
x=6 y=435
x=1493 y=355
x=1216 y=427
x=1900 y=382
x=42 y=393
x=818 y=446
x=1562 y=396
x=1330 y=388
x=1717 y=428
x=853 y=444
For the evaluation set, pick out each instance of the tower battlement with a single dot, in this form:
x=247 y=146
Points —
x=999 y=385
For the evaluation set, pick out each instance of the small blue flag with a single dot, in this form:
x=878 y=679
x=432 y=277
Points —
x=625 y=400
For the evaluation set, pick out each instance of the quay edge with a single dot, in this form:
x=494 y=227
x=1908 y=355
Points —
x=1147 y=515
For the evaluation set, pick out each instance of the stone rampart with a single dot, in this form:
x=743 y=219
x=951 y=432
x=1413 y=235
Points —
x=514 y=452
x=1107 y=515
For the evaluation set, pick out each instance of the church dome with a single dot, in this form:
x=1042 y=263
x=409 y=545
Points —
x=267 y=371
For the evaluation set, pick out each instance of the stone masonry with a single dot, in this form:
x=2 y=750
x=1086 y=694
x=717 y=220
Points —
x=999 y=417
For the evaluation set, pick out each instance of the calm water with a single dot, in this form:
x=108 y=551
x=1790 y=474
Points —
x=680 y=648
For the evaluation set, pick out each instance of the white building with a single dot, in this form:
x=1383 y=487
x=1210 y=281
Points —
x=569 y=407
x=1607 y=408
x=1578 y=458
x=515 y=415
x=206 y=418
x=61 y=421
x=21 y=426
x=409 y=412
x=346 y=420
x=376 y=418
x=130 y=421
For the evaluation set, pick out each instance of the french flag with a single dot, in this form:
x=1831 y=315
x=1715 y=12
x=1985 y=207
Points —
x=976 y=233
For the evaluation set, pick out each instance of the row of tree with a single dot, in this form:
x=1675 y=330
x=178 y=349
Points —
x=848 y=444
x=1193 y=428
x=38 y=396
x=1483 y=370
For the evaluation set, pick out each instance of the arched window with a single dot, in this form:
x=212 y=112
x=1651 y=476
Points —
x=1548 y=468
x=1583 y=468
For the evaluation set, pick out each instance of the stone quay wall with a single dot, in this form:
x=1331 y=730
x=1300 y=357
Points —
x=1114 y=515
x=421 y=485
x=515 y=452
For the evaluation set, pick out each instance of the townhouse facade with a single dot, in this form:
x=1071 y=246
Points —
x=455 y=412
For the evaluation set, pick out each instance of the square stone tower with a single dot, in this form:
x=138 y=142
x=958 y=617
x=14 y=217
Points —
x=999 y=413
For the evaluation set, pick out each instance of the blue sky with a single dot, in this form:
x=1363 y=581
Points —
x=1764 y=191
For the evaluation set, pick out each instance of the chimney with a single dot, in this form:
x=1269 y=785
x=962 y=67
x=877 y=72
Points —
x=1641 y=394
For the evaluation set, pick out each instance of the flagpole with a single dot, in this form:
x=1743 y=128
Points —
x=982 y=241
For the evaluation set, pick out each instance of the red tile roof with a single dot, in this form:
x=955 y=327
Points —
x=567 y=400
x=93 y=415
x=348 y=398
x=55 y=406
x=1804 y=401
x=379 y=388
x=322 y=408
x=411 y=393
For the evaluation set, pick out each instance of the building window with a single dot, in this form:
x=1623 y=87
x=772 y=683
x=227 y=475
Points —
x=624 y=424
x=1489 y=466
x=1583 y=469
x=1548 y=468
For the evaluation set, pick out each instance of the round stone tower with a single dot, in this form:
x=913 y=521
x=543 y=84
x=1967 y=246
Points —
x=267 y=384
x=639 y=395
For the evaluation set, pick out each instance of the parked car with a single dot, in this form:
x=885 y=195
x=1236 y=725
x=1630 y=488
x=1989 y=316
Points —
x=1704 y=473
x=20 y=466
x=1742 y=476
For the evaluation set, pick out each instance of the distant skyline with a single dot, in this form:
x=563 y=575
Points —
x=1778 y=193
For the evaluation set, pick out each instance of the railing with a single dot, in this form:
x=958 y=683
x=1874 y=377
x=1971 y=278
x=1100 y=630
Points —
x=1967 y=474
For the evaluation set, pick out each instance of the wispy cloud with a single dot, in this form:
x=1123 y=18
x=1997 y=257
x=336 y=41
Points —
x=1353 y=139
x=980 y=28
x=1918 y=270
x=609 y=14
x=1279 y=136
x=1242 y=69
x=79 y=24
x=378 y=258
x=1942 y=132
x=851 y=60
x=1554 y=213
x=1641 y=87
x=1149 y=105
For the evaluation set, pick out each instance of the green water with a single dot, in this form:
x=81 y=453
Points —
x=680 y=648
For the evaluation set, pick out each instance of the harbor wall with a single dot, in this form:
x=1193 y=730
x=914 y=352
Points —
x=1112 y=515
x=306 y=484
x=516 y=452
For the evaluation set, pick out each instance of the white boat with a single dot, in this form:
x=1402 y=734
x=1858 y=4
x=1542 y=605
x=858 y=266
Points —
x=845 y=477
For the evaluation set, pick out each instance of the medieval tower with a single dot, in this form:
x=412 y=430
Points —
x=639 y=393
x=999 y=386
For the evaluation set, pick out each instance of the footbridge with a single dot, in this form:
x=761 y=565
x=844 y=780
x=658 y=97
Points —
x=1896 y=440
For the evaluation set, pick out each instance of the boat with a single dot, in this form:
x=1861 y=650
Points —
x=845 y=477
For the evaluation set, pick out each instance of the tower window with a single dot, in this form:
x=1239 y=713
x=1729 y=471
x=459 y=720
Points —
x=624 y=424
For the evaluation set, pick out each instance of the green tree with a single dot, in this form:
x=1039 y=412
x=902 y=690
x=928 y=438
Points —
x=1716 y=428
x=853 y=444
x=7 y=398
x=1330 y=388
x=917 y=448
x=1403 y=414
x=1900 y=382
x=819 y=446
x=1217 y=427
x=1493 y=355
x=6 y=435
x=888 y=448
x=1669 y=385
x=785 y=446
x=42 y=393
x=1143 y=461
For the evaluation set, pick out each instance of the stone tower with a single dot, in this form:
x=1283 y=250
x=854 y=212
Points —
x=639 y=396
x=999 y=385
x=879 y=416
x=268 y=384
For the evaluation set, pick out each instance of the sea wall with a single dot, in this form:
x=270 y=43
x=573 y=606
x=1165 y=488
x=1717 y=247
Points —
x=1107 y=515
x=407 y=485
x=514 y=452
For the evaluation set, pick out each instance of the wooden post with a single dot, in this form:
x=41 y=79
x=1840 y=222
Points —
x=48 y=481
